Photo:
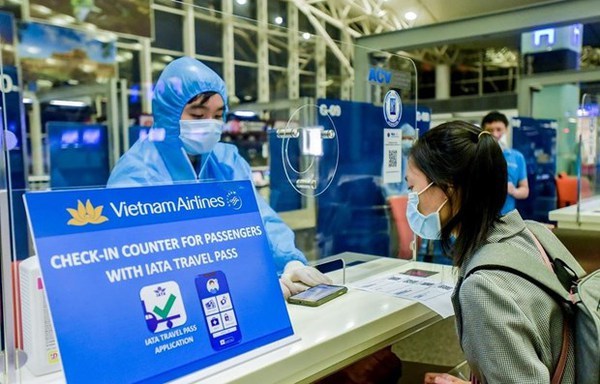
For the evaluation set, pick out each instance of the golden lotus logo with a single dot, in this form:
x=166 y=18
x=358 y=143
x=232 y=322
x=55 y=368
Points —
x=86 y=214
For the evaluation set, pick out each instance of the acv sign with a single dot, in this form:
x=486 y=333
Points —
x=379 y=76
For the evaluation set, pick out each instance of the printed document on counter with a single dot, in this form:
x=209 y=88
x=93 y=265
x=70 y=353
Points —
x=414 y=284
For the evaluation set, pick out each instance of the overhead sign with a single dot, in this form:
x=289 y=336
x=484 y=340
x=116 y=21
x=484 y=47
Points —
x=7 y=40
x=127 y=17
x=61 y=54
x=159 y=273
x=389 y=77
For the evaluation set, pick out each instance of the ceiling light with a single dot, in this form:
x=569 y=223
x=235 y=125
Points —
x=127 y=55
x=33 y=50
x=279 y=20
x=89 y=27
x=241 y=2
x=62 y=19
x=306 y=35
x=67 y=103
x=410 y=15
x=106 y=37
x=44 y=83
x=157 y=66
x=245 y=113
x=41 y=9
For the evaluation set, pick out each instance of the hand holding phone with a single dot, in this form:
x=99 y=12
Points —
x=317 y=295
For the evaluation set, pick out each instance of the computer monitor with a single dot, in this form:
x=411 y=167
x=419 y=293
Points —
x=78 y=154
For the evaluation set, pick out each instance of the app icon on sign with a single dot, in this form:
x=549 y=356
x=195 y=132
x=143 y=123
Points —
x=163 y=306
x=212 y=286
x=210 y=306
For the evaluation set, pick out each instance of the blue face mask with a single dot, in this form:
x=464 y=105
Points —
x=200 y=136
x=425 y=226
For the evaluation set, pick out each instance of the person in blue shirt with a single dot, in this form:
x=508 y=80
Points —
x=189 y=106
x=496 y=123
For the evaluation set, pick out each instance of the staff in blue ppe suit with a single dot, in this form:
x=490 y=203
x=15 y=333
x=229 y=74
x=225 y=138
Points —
x=189 y=105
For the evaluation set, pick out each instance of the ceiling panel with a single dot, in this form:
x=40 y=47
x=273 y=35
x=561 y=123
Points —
x=435 y=11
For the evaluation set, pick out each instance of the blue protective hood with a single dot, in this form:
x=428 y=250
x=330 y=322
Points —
x=179 y=82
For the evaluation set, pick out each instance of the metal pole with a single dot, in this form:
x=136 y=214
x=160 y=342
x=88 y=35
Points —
x=113 y=123
x=124 y=113
x=35 y=135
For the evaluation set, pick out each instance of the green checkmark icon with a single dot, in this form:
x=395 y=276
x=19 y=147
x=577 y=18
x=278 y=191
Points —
x=163 y=313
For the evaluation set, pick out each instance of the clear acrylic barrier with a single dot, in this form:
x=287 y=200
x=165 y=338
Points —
x=588 y=137
x=327 y=147
x=588 y=156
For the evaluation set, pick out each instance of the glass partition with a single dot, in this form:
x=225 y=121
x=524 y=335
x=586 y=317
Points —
x=320 y=126
x=588 y=158
x=12 y=184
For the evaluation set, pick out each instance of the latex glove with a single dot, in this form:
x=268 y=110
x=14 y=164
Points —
x=298 y=272
x=289 y=288
x=297 y=277
x=442 y=378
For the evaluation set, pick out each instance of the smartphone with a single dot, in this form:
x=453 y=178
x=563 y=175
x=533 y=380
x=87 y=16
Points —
x=219 y=313
x=317 y=295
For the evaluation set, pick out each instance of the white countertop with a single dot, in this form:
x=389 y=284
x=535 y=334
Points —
x=331 y=336
x=589 y=215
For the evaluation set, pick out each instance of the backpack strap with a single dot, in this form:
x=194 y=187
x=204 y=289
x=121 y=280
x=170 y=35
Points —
x=506 y=257
x=566 y=267
x=564 y=349
x=562 y=358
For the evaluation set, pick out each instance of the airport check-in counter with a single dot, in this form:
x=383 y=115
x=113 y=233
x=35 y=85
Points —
x=578 y=228
x=332 y=335
x=584 y=217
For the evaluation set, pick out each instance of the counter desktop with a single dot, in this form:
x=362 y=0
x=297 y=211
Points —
x=335 y=334
x=286 y=343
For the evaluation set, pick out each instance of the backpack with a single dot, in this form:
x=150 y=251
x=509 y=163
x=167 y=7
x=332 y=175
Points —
x=577 y=293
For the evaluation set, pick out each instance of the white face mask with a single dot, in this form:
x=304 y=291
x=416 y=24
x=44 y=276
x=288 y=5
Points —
x=424 y=226
x=503 y=141
x=200 y=136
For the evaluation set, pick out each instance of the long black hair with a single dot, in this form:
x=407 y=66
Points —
x=469 y=167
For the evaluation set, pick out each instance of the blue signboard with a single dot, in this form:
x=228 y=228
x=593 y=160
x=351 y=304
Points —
x=148 y=284
x=352 y=213
x=536 y=140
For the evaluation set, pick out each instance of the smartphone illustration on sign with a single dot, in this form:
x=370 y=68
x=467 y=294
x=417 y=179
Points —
x=219 y=314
